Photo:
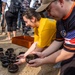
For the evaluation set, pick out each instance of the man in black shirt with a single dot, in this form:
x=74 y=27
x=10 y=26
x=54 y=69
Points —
x=64 y=12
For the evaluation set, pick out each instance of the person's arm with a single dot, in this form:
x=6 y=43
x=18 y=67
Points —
x=53 y=58
x=37 y=49
x=52 y=48
x=3 y=7
x=58 y=56
x=33 y=48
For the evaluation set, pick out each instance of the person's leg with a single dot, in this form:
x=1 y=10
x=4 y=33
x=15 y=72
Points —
x=4 y=26
x=14 y=33
x=19 y=22
x=0 y=17
x=14 y=24
x=2 y=22
x=24 y=28
x=9 y=18
x=9 y=36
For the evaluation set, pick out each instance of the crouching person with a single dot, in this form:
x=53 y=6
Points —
x=44 y=34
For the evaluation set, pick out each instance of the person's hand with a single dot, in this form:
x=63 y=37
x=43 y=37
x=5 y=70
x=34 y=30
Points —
x=38 y=53
x=36 y=62
x=20 y=60
x=21 y=56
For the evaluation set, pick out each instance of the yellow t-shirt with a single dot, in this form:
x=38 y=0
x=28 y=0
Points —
x=45 y=33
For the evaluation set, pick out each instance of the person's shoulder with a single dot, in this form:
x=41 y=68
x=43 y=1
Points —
x=51 y=21
x=48 y=21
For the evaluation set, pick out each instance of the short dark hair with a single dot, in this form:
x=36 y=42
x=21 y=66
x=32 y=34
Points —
x=29 y=13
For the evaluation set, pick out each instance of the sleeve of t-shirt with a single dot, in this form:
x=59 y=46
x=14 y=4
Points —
x=69 y=43
x=58 y=35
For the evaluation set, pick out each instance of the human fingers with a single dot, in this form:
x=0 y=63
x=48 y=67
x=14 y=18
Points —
x=32 y=63
x=17 y=62
x=39 y=54
x=20 y=61
x=35 y=62
x=21 y=55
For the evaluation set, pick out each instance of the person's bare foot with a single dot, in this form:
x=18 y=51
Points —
x=2 y=34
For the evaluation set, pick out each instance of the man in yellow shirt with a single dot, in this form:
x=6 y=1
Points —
x=44 y=32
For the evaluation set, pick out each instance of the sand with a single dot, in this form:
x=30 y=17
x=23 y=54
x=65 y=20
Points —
x=24 y=69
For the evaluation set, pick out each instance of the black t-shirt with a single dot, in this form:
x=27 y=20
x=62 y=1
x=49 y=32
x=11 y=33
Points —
x=66 y=30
